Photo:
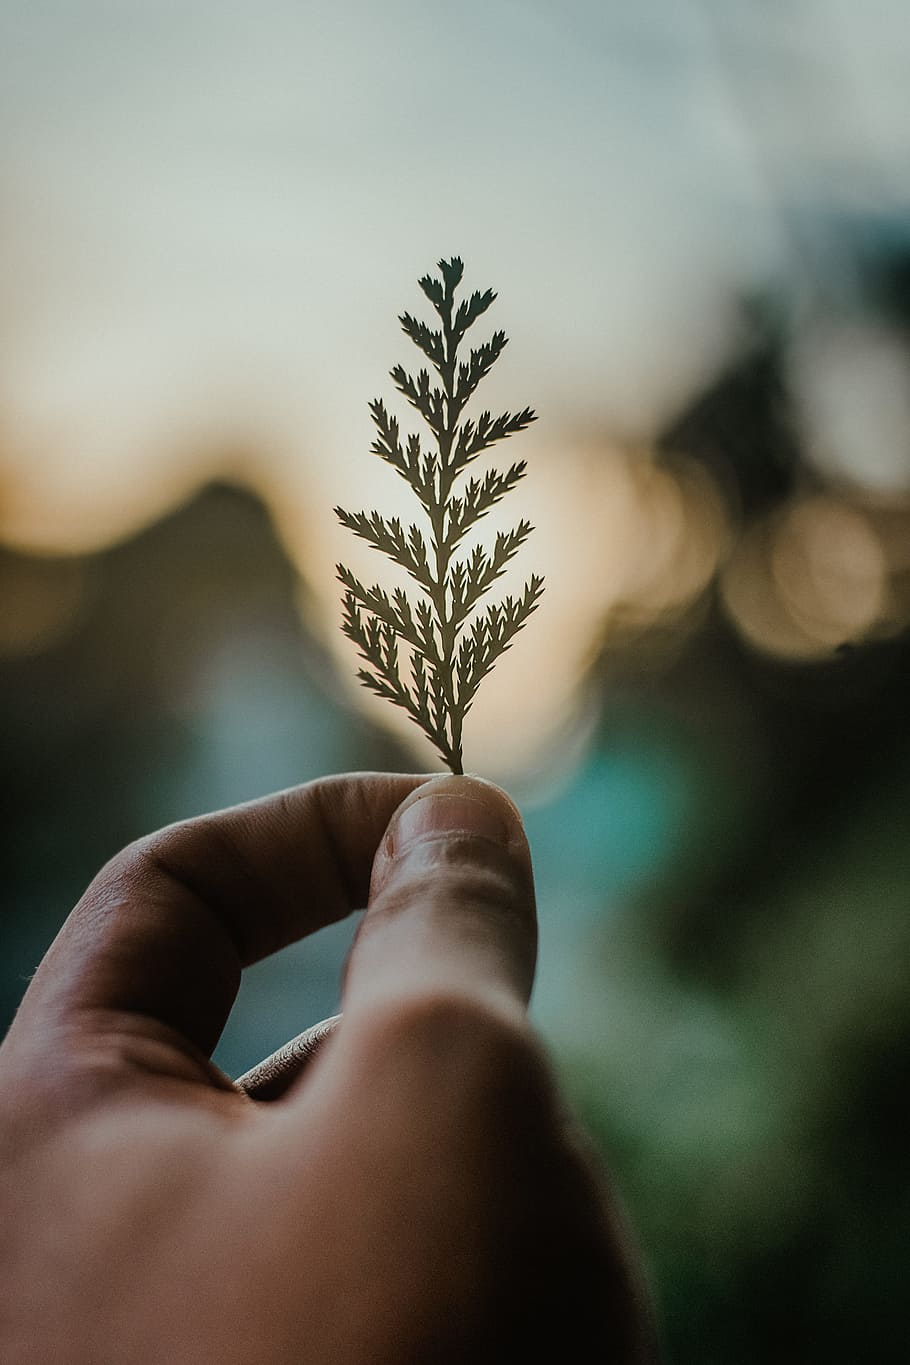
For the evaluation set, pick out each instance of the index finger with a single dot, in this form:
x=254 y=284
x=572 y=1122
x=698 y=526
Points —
x=165 y=928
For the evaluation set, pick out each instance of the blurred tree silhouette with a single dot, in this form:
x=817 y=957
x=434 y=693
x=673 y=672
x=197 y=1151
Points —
x=177 y=677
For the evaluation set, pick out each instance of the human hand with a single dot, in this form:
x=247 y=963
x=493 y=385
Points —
x=414 y=1195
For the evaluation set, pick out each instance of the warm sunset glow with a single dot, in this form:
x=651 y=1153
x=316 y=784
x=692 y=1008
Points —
x=804 y=582
x=829 y=570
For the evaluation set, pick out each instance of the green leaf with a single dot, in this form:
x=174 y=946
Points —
x=407 y=547
x=429 y=656
x=478 y=497
x=430 y=342
x=478 y=367
x=470 y=579
x=429 y=401
x=433 y=290
x=470 y=310
x=451 y=272
x=475 y=437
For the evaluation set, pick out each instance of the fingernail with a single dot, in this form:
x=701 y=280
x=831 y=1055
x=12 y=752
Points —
x=443 y=813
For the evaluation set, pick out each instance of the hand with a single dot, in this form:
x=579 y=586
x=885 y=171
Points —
x=414 y=1195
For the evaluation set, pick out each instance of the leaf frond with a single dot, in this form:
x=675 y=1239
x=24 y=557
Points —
x=469 y=310
x=393 y=611
x=428 y=400
x=490 y=636
x=429 y=656
x=406 y=547
x=451 y=271
x=429 y=341
x=469 y=579
x=477 y=497
x=474 y=438
x=481 y=362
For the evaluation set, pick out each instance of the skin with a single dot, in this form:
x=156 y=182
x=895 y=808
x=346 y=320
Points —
x=408 y=1190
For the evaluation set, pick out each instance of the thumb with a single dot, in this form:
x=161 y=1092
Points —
x=451 y=910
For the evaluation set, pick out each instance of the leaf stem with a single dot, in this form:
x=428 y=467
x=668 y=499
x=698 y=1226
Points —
x=448 y=629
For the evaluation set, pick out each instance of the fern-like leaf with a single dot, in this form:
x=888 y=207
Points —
x=449 y=647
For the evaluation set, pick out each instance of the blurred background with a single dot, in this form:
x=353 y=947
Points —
x=697 y=216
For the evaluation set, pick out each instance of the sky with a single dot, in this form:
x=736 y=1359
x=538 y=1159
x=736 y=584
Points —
x=213 y=213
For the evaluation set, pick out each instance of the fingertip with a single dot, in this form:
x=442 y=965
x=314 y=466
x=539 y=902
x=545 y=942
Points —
x=449 y=805
x=451 y=898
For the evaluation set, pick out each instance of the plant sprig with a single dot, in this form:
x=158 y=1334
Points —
x=430 y=656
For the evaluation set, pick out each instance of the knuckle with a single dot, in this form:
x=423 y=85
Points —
x=440 y=885
x=143 y=858
x=481 y=1055
x=460 y=858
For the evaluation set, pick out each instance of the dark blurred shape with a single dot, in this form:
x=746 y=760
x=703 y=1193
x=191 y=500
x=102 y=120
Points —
x=779 y=934
x=741 y=428
x=160 y=678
